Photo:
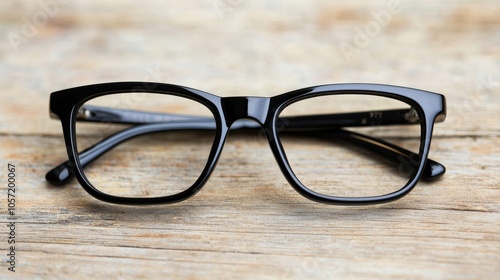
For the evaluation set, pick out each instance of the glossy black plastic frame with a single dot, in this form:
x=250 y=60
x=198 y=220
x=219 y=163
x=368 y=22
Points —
x=260 y=112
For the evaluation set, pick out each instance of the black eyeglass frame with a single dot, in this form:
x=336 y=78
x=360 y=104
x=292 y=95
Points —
x=65 y=104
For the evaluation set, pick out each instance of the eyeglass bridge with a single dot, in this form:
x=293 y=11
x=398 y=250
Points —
x=236 y=108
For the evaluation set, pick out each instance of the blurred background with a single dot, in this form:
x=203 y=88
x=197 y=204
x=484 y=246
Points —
x=239 y=47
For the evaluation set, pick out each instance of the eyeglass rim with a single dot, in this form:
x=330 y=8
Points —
x=429 y=105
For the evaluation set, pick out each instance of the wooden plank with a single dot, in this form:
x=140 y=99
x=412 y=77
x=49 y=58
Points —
x=247 y=221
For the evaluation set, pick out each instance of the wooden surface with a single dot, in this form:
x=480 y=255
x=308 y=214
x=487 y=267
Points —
x=243 y=224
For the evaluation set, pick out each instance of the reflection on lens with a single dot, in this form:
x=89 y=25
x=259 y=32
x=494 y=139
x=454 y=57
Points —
x=164 y=161
x=329 y=160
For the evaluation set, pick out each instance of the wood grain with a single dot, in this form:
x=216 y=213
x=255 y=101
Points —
x=247 y=222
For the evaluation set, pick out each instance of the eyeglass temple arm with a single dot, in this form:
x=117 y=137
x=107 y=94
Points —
x=399 y=156
x=309 y=122
x=60 y=174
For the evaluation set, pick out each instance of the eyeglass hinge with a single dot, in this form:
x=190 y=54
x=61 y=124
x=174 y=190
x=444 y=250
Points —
x=412 y=116
x=83 y=113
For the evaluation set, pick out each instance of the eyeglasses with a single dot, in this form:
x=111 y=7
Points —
x=150 y=143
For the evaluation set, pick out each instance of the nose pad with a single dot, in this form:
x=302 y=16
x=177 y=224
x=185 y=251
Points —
x=236 y=108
